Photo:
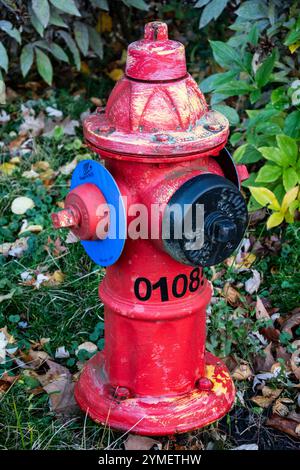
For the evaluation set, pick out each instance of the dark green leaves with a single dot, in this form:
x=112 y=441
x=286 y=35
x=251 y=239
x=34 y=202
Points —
x=81 y=36
x=212 y=11
x=42 y=11
x=44 y=66
x=26 y=59
x=263 y=73
x=67 y=6
x=140 y=4
x=225 y=55
x=3 y=58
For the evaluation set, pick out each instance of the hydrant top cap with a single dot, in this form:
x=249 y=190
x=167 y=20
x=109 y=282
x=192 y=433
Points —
x=156 y=57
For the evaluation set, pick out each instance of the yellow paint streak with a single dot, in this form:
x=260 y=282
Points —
x=219 y=380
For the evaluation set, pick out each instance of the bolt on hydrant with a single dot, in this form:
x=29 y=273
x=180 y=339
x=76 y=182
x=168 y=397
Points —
x=163 y=148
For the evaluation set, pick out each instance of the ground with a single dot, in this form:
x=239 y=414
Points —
x=49 y=306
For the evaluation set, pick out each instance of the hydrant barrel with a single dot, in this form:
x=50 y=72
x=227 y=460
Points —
x=165 y=159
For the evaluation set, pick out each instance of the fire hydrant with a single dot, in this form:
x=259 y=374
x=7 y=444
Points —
x=163 y=147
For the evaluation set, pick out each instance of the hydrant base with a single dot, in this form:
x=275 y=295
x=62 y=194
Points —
x=155 y=415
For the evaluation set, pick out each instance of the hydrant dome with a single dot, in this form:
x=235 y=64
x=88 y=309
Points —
x=157 y=108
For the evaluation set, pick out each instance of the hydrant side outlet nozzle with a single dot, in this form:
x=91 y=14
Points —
x=162 y=145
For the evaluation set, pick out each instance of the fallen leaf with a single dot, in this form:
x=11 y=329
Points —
x=263 y=363
x=30 y=174
x=7 y=168
x=31 y=125
x=292 y=322
x=6 y=381
x=71 y=238
x=21 y=204
x=87 y=346
x=57 y=382
x=116 y=74
x=295 y=359
x=15 y=249
x=284 y=424
x=69 y=167
x=231 y=295
x=134 y=442
x=242 y=372
x=33 y=359
x=252 y=284
x=260 y=310
x=7 y=296
x=61 y=353
x=246 y=447
x=53 y=112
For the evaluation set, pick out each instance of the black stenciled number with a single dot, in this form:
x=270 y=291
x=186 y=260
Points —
x=194 y=280
x=176 y=286
x=180 y=285
x=162 y=284
x=137 y=284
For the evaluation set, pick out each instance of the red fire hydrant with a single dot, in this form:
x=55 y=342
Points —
x=163 y=147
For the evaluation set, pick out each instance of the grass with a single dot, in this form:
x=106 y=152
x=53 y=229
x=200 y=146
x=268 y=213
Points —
x=70 y=313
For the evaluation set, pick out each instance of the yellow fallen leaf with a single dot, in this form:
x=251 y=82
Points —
x=242 y=372
x=116 y=74
x=41 y=165
x=7 y=168
x=104 y=23
x=21 y=204
x=85 y=69
x=294 y=47
x=15 y=160
x=247 y=261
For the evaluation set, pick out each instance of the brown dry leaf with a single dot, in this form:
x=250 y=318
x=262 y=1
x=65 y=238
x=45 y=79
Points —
x=38 y=345
x=292 y=322
x=33 y=359
x=260 y=310
x=97 y=101
x=6 y=381
x=230 y=294
x=58 y=383
x=264 y=363
x=9 y=338
x=69 y=167
x=104 y=23
x=134 y=442
x=284 y=424
x=268 y=396
x=295 y=359
x=247 y=261
x=16 y=143
x=242 y=372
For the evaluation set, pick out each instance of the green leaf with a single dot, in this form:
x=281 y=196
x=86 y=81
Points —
x=247 y=154
x=3 y=58
x=212 y=11
x=36 y=22
x=288 y=148
x=82 y=36
x=72 y=46
x=252 y=10
x=102 y=4
x=42 y=10
x=225 y=55
x=58 y=52
x=26 y=59
x=56 y=19
x=292 y=37
x=272 y=153
x=139 y=4
x=213 y=81
x=263 y=73
x=253 y=35
x=228 y=112
x=95 y=42
x=67 y=6
x=236 y=87
x=8 y=28
x=44 y=66
x=268 y=173
x=290 y=178
x=292 y=125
